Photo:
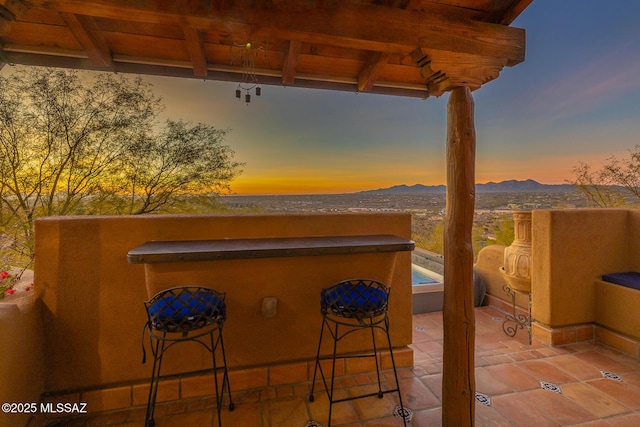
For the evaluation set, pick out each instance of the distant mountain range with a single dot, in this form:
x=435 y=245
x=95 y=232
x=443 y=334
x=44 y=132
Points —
x=511 y=186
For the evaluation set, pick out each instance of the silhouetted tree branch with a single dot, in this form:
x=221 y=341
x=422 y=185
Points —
x=73 y=143
x=616 y=184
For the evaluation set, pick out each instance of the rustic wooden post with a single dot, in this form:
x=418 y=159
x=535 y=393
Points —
x=458 y=376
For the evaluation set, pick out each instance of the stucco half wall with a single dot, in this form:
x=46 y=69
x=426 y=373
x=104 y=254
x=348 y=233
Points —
x=571 y=250
x=93 y=311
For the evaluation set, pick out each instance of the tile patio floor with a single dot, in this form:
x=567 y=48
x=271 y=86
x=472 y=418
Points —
x=524 y=385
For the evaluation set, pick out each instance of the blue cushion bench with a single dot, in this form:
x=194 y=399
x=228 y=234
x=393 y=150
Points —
x=617 y=304
x=630 y=279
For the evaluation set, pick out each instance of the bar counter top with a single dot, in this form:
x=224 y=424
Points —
x=225 y=249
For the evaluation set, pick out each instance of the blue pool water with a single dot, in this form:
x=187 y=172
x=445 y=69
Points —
x=420 y=277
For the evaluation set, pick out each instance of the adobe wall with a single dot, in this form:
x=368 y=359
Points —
x=617 y=306
x=21 y=358
x=93 y=308
x=490 y=259
x=570 y=250
x=633 y=240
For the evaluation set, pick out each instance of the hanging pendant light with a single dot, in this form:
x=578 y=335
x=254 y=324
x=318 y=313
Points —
x=246 y=53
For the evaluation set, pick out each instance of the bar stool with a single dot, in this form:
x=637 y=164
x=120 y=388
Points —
x=181 y=314
x=354 y=305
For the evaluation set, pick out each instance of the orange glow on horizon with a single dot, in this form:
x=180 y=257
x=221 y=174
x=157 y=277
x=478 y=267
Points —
x=294 y=185
x=267 y=187
x=550 y=170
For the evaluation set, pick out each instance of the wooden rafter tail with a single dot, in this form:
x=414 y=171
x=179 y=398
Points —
x=371 y=70
x=195 y=46
x=12 y=9
x=85 y=31
x=291 y=62
x=5 y=26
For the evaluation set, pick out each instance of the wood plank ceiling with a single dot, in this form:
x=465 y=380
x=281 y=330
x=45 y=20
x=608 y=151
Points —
x=415 y=48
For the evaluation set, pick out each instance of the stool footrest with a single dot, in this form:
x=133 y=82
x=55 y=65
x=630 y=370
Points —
x=354 y=305
x=377 y=393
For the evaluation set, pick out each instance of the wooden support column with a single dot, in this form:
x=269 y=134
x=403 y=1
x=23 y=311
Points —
x=458 y=375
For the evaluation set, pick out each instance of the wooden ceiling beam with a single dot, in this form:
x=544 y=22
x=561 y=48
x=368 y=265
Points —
x=422 y=45
x=371 y=70
x=10 y=10
x=85 y=31
x=291 y=62
x=175 y=70
x=506 y=11
x=374 y=28
x=195 y=46
x=5 y=26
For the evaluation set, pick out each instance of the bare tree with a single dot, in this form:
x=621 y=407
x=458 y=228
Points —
x=616 y=184
x=183 y=159
x=73 y=143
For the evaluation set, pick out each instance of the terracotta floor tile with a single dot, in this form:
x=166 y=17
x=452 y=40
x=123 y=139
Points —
x=481 y=361
x=632 y=378
x=629 y=420
x=497 y=359
x=417 y=336
x=420 y=358
x=521 y=355
x=247 y=414
x=434 y=382
x=490 y=384
x=558 y=407
x=432 y=367
x=544 y=371
x=507 y=369
x=429 y=347
x=373 y=407
x=520 y=412
x=596 y=423
x=342 y=413
x=390 y=421
x=575 y=367
x=283 y=413
x=621 y=357
x=598 y=403
x=429 y=418
x=626 y=394
x=490 y=342
x=517 y=378
x=417 y=396
x=604 y=362
x=488 y=416
x=201 y=418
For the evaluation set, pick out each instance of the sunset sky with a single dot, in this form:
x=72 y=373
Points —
x=576 y=98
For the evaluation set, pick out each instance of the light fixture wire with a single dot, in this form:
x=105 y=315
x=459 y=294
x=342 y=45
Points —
x=246 y=54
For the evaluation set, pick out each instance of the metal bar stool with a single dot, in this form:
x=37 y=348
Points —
x=354 y=305
x=180 y=314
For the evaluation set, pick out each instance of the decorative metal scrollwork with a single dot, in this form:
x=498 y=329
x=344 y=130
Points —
x=514 y=322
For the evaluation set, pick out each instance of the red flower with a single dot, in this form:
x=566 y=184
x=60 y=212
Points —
x=10 y=291
x=4 y=275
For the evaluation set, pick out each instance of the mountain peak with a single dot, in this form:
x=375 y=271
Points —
x=508 y=186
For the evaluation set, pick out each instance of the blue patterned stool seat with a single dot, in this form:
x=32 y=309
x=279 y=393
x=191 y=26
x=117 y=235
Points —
x=180 y=314
x=185 y=308
x=355 y=299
